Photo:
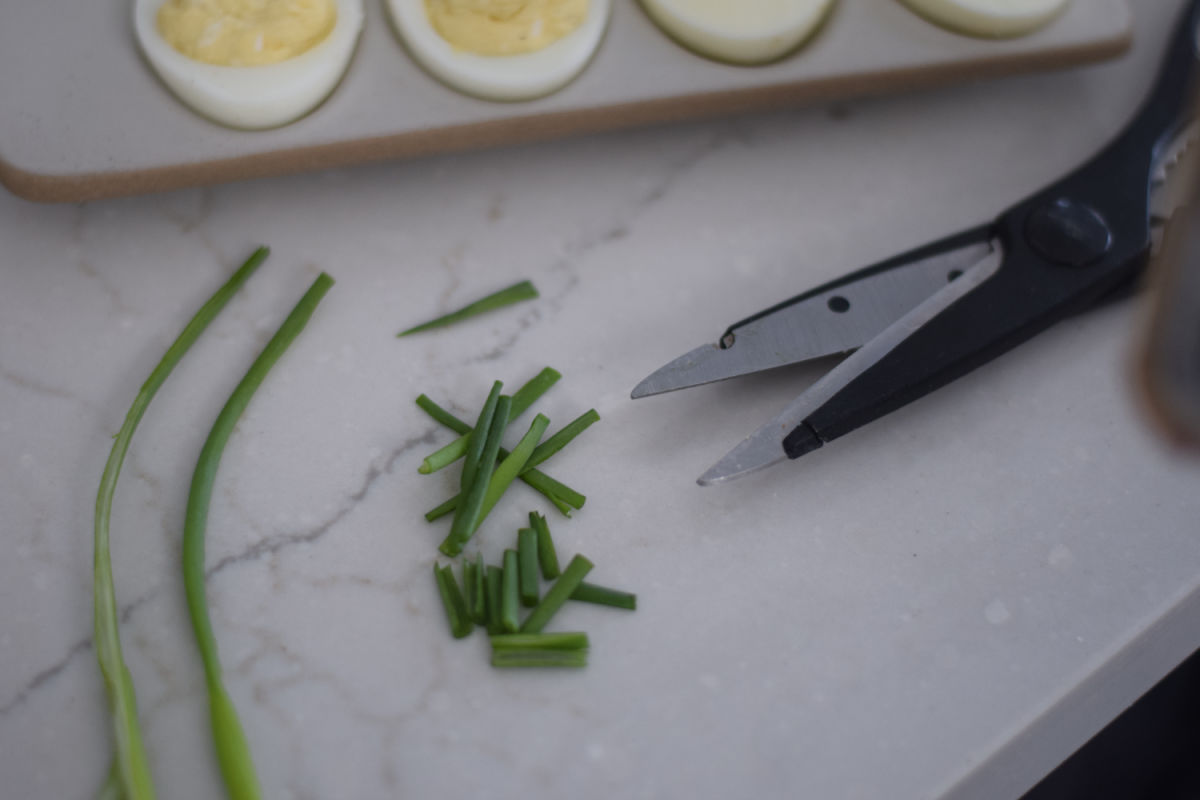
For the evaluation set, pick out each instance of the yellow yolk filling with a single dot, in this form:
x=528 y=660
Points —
x=245 y=33
x=504 y=27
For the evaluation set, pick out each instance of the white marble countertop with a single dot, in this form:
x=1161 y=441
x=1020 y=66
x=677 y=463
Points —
x=943 y=604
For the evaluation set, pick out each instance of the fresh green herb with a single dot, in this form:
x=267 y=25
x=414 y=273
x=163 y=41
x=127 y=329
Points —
x=539 y=658
x=560 y=439
x=508 y=469
x=233 y=752
x=453 y=601
x=602 y=595
x=478 y=591
x=130 y=772
x=524 y=397
x=557 y=594
x=547 y=557
x=478 y=437
x=468 y=515
x=505 y=297
x=540 y=641
x=556 y=492
x=509 y=594
x=495 y=580
x=468 y=587
x=527 y=556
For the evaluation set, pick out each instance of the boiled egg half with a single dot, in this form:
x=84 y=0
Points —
x=249 y=63
x=740 y=31
x=502 y=49
x=990 y=18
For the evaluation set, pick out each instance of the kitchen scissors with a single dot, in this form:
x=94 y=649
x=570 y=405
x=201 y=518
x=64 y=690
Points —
x=918 y=320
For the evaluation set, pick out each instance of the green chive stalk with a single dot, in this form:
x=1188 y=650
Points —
x=603 y=596
x=522 y=399
x=523 y=290
x=233 y=751
x=527 y=558
x=557 y=594
x=559 y=494
x=130 y=772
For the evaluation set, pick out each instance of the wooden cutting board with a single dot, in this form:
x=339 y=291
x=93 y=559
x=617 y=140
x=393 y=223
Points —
x=83 y=117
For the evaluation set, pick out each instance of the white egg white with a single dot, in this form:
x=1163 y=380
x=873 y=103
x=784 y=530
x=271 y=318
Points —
x=991 y=18
x=252 y=97
x=741 y=31
x=513 y=77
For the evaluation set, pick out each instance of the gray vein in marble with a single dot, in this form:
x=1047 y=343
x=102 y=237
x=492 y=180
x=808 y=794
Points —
x=28 y=384
x=255 y=551
x=619 y=228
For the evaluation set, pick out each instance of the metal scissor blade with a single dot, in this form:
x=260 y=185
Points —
x=765 y=446
x=835 y=318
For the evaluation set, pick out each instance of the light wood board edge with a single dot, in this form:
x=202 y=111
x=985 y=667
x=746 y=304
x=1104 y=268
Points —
x=526 y=129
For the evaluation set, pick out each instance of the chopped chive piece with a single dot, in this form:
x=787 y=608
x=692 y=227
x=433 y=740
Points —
x=558 y=594
x=468 y=587
x=562 y=496
x=554 y=490
x=524 y=290
x=441 y=415
x=540 y=641
x=560 y=505
x=560 y=439
x=602 y=595
x=478 y=437
x=233 y=752
x=495 y=579
x=547 y=557
x=474 y=507
x=442 y=510
x=527 y=557
x=509 y=595
x=534 y=388
x=524 y=397
x=129 y=776
x=478 y=604
x=508 y=469
x=539 y=658
x=453 y=602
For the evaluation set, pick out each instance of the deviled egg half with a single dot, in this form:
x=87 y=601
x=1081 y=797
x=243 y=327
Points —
x=249 y=63
x=990 y=18
x=739 y=31
x=502 y=49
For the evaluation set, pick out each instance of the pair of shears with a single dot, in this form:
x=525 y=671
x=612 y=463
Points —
x=917 y=321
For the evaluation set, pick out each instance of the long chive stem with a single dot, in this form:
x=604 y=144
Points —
x=233 y=752
x=522 y=399
x=509 y=594
x=453 y=601
x=478 y=437
x=547 y=556
x=604 y=596
x=495 y=579
x=472 y=509
x=557 y=594
x=130 y=769
x=574 y=640
x=539 y=658
x=524 y=290
x=527 y=557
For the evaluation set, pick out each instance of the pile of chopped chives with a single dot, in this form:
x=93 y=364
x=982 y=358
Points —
x=529 y=576
x=493 y=597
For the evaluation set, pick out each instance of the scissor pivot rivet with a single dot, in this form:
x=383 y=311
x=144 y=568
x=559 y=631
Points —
x=1069 y=233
